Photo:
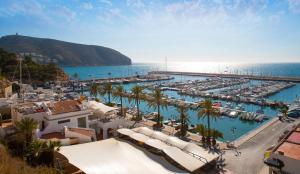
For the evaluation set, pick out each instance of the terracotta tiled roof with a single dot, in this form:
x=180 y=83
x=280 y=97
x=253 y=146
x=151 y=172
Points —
x=53 y=135
x=294 y=138
x=290 y=150
x=65 y=106
x=291 y=145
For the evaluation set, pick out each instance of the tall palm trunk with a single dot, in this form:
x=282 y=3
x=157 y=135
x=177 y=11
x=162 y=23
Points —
x=208 y=125
x=108 y=97
x=158 y=115
x=28 y=139
x=121 y=100
x=138 y=109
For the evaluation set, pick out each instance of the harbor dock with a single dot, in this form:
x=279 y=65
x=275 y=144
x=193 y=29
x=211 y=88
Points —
x=129 y=79
x=223 y=75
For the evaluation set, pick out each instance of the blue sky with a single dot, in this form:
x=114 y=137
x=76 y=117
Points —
x=150 y=30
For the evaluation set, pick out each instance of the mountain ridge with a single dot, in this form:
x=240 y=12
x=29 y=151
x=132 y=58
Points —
x=64 y=53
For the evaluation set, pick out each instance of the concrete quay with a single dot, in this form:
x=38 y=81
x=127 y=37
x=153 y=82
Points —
x=245 y=76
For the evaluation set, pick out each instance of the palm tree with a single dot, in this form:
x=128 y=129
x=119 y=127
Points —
x=184 y=120
x=137 y=95
x=107 y=89
x=119 y=92
x=42 y=152
x=94 y=88
x=34 y=151
x=200 y=128
x=215 y=135
x=156 y=101
x=52 y=146
x=26 y=126
x=284 y=110
x=207 y=110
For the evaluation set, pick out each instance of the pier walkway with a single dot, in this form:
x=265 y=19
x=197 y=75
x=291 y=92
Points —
x=245 y=76
x=130 y=79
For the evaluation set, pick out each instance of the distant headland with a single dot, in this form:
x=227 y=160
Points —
x=44 y=50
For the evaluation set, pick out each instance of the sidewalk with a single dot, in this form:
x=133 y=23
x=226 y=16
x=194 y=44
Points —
x=253 y=133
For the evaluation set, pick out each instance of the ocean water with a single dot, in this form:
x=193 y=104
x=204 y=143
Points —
x=224 y=123
x=275 y=69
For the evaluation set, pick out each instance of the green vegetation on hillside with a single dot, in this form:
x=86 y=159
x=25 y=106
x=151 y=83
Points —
x=63 y=53
x=32 y=72
x=11 y=165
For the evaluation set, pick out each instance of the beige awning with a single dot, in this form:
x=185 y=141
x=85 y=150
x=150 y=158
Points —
x=160 y=136
x=99 y=109
x=139 y=137
x=157 y=144
x=146 y=131
x=176 y=142
x=125 y=131
x=111 y=156
x=200 y=151
x=183 y=159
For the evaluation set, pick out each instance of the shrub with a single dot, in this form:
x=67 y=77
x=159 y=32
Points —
x=12 y=165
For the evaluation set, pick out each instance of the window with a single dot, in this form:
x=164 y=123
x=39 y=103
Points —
x=63 y=121
x=81 y=122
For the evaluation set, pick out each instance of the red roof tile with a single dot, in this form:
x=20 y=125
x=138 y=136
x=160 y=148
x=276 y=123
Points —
x=290 y=150
x=294 y=138
x=65 y=106
x=53 y=135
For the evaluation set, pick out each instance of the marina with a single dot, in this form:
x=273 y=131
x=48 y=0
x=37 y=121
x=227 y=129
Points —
x=130 y=79
x=231 y=75
x=275 y=94
x=235 y=90
x=151 y=87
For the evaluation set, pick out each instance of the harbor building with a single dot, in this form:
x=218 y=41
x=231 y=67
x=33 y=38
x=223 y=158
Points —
x=87 y=121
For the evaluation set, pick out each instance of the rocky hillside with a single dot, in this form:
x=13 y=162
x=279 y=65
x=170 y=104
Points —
x=63 y=53
x=34 y=73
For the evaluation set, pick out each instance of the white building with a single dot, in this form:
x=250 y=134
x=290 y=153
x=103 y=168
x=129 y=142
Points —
x=55 y=116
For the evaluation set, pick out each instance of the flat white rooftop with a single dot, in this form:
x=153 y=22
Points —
x=112 y=156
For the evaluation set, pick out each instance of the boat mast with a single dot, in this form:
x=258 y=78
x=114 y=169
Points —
x=166 y=63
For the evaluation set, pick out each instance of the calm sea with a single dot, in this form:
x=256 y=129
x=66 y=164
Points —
x=223 y=124
x=276 y=69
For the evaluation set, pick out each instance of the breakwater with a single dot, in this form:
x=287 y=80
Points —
x=225 y=75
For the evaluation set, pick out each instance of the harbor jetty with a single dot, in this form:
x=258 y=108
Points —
x=129 y=79
x=228 y=75
x=84 y=85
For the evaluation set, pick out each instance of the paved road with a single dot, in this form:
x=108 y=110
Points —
x=251 y=159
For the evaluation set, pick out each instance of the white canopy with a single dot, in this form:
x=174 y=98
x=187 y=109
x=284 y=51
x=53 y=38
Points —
x=146 y=131
x=199 y=151
x=185 y=160
x=111 y=156
x=160 y=136
x=180 y=151
x=156 y=144
x=177 y=142
x=125 y=131
x=99 y=108
x=139 y=137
